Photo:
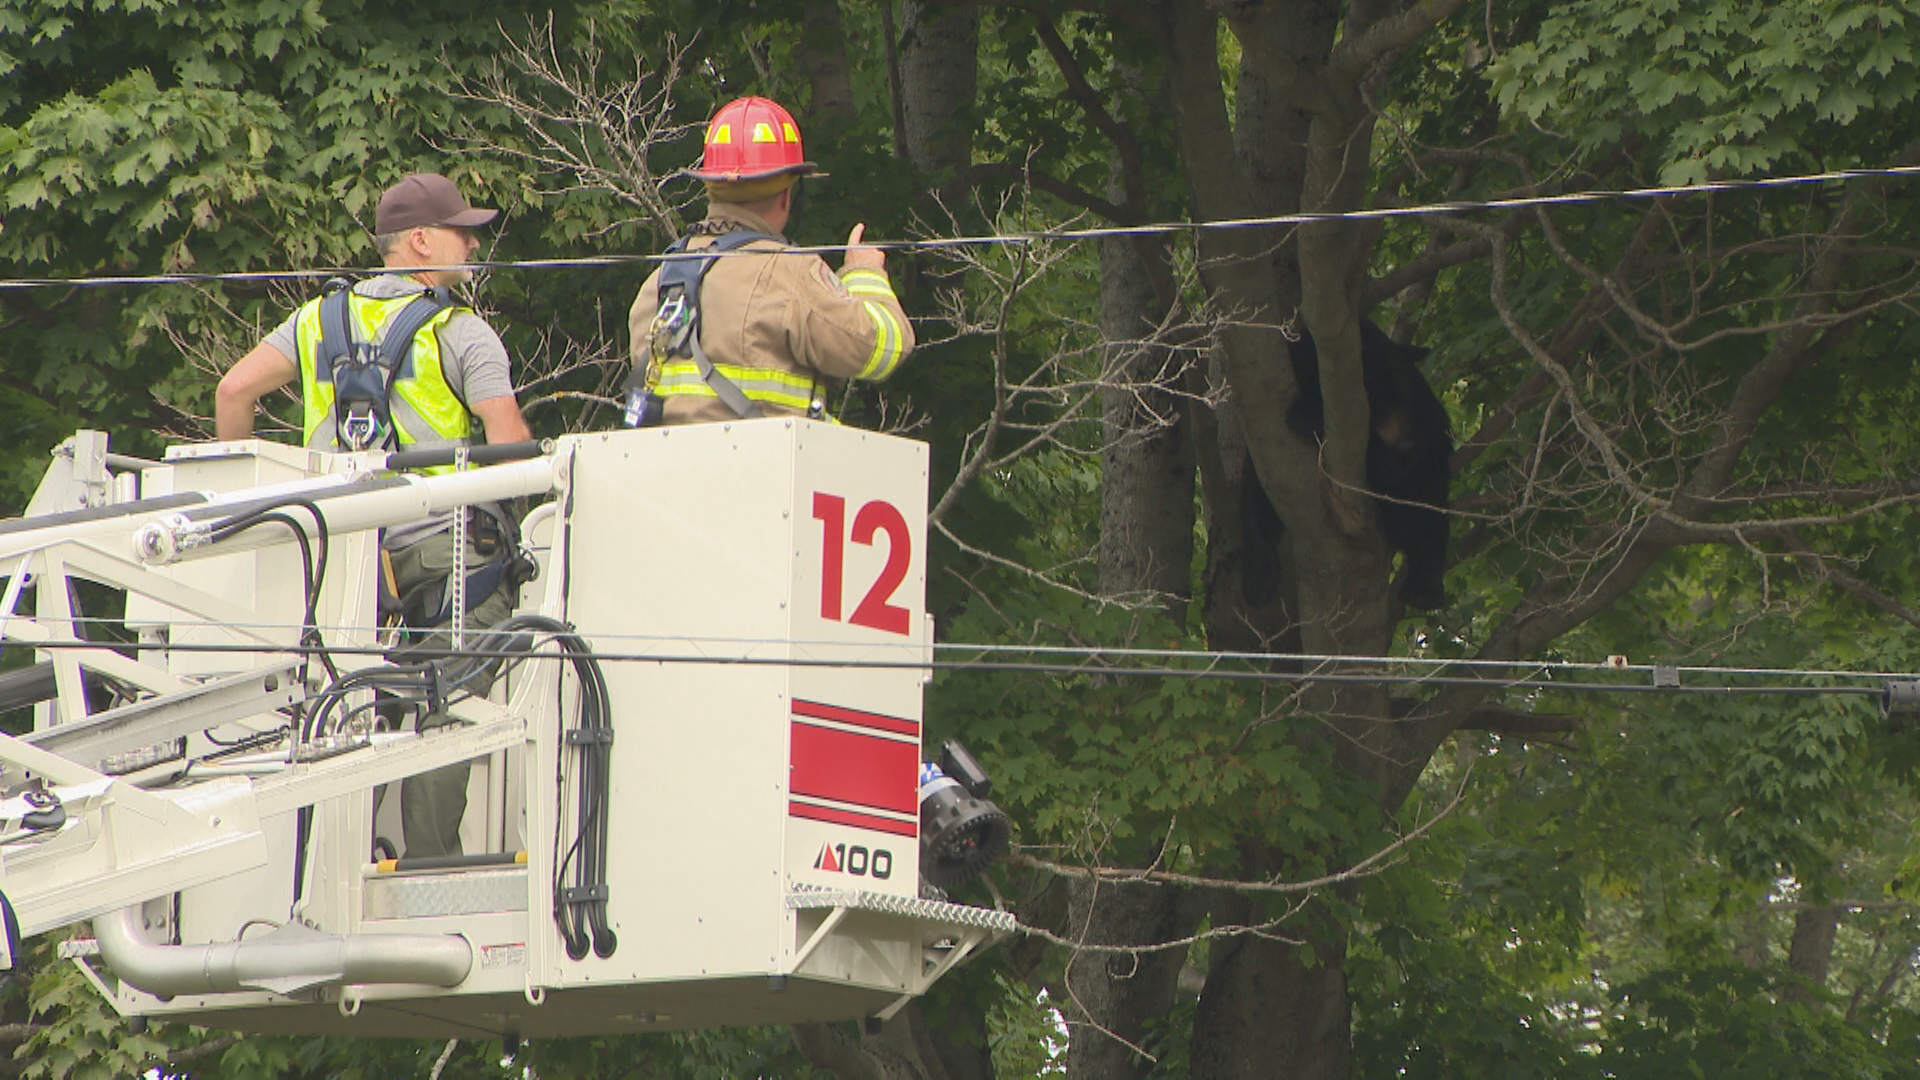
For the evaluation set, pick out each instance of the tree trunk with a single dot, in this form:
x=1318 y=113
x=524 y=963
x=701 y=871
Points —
x=1147 y=483
x=1299 y=138
x=1271 y=1008
x=823 y=57
x=939 y=78
x=1146 y=552
x=1811 y=953
x=836 y=1049
x=1113 y=999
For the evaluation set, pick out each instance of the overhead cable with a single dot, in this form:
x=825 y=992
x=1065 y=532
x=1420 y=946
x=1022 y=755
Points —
x=1662 y=681
x=666 y=648
x=1418 y=210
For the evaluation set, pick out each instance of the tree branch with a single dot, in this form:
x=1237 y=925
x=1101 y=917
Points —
x=1378 y=44
x=1423 y=269
x=1823 y=567
x=203 y=1050
x=1519 y=723
x=1070 y=194
x=1366 y=867
x=1083 y=94
x=1762 y=384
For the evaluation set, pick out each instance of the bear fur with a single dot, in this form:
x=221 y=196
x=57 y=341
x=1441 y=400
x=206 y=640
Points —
x=1409 y=453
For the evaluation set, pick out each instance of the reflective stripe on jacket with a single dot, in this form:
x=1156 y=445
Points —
x=776 y=325
x=425 y=410
x=681 y=378
x=891 y=339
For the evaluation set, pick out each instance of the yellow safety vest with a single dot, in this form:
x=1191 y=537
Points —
x=424 y=409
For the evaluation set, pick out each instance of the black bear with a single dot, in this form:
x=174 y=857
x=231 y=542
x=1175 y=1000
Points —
x=1408 y=456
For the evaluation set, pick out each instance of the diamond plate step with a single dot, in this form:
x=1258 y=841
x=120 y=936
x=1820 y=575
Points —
x=458 y=892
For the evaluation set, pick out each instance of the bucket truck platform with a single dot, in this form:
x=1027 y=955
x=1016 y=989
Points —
x=694 y=786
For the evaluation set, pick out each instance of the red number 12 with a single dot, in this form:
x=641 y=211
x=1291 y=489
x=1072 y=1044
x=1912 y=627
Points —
x=875 y=610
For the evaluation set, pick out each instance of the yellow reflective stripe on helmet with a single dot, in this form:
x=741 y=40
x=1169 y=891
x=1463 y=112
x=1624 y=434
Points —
x=888 y=338
x=681 y=378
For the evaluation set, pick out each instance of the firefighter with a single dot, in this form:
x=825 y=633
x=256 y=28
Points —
x=749 y=335
x=362 y=388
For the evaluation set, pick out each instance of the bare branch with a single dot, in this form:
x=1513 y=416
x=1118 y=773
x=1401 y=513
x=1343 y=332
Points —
x=1366 y=867
x=1824 y=566
x=595 y=136
x=1053 y=398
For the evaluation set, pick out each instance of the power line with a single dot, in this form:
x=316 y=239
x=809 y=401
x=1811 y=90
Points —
x=1246 y=674
x=1083 y=652
x=1419 y=210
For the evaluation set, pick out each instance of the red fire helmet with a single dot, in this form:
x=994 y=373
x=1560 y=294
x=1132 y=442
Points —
x=751 y=138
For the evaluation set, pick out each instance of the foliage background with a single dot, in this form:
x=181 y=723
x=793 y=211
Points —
x=1638 y=890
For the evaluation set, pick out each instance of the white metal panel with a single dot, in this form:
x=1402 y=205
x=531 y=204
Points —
x=755 y=593
x=677 y=549
x=859 y=619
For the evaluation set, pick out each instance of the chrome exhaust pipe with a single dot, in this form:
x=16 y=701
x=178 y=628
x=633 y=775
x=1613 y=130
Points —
x=290 y=959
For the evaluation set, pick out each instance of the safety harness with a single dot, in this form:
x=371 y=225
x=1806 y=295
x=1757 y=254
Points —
x=675 y=332
x=363 y=373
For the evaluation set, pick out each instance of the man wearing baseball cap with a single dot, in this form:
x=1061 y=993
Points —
x=360 y=391
x=424 y=231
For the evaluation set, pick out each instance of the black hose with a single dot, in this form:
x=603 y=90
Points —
x=580 y=874
x=313 y=569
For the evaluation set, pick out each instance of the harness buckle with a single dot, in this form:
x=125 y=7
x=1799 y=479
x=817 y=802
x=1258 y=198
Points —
x=672 y=309
x=671 y=324
x=360 y=428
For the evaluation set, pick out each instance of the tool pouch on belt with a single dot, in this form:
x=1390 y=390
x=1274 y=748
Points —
x=493 y=534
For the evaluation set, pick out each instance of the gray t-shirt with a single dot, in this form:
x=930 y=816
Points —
x=472 y=356
x=472 y=359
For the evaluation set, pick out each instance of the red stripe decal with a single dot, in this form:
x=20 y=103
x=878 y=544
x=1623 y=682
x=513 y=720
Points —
x=846 y=766
x=848 y=817
x=842 y=715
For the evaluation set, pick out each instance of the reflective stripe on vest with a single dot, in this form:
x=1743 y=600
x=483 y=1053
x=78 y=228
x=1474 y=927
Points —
x=425 y=411
x=681 y=378
x=888 y=335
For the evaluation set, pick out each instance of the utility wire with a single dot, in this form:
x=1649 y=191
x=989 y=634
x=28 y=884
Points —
x=1252 y=674
x=1087 y=652
x=916 y=650
x=1419 y=210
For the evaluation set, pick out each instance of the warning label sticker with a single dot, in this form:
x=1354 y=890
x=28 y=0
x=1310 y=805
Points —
x=511 y=954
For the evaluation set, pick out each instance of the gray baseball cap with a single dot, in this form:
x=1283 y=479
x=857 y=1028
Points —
x=426 y=199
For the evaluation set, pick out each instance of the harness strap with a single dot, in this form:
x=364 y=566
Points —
x=724 y=388
x=397 y=346
x=336 y=332
x=337 y=339
x=680 y=281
